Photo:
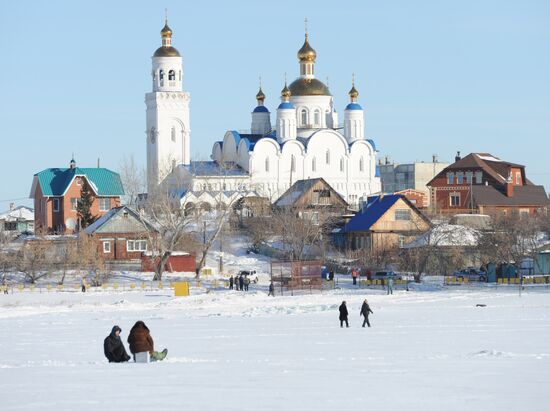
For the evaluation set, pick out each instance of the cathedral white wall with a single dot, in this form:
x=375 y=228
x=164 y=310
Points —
x=243 y=155
x=354 y=126
x=166 y=64
x=311 y=103
x=229 y=148
x=261 y=123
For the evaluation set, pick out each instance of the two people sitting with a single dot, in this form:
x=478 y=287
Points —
x=140 y=340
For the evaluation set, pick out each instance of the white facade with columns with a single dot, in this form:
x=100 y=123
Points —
x=305 y=141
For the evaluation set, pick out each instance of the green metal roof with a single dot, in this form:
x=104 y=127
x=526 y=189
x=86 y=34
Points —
x=55 y=181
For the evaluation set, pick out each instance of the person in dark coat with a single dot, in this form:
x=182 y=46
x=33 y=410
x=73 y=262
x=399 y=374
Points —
x=231 y=282
x=140 y=339
x=365 y=311
x=241 y=282
x=271 y=289
x=114 y=348
x=343 y=314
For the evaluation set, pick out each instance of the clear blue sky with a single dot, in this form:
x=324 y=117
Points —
x=433 y=76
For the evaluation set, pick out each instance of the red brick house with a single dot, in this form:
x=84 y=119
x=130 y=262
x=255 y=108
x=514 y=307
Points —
x=56 y=192
x=482 y=183
x=416 y=197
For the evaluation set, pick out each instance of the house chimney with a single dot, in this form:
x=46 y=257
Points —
x=98 y=162
x=457 y=157
x=509 y=186
x=72 y=164
x=434 y=158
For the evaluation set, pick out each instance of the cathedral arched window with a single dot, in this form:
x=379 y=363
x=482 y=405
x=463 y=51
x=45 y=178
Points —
x=171 y=75
x=361 y=164
x=267 y=164
x=327 y=157
x=317 y=117
x=341 y=165
x=161 y=77
x=304 y=117
x=173 y=133
x=293 y=164
x=180 y=75
x=313 y=164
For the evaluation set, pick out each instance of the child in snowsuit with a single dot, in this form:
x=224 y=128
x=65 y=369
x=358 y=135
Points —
x=343 y=314
x=114 y=348
x=365 y=311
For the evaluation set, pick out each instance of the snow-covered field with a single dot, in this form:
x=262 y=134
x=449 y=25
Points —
x=428 y=349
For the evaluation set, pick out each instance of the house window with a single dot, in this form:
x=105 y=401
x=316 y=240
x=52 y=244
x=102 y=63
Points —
x=454 y=200
x=524 y=213
x=402 y=215
x=401 y=241
x=56 y=205
x=327 y=157
x=479 y=177
x=361 y=164
x=304 y=117
x=136 y=245
x=292 y=163
x=173 y=134
x=450 y=178
x=313 y=165
x=469 y=177
x=267 y=164
x=104 y=204
x=518 y=178
x=341 y=165
x=460 y=178
x=106 y=246
x=74 y=203
x=317 y=117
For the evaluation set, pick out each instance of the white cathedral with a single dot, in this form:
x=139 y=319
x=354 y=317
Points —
x=306 y=141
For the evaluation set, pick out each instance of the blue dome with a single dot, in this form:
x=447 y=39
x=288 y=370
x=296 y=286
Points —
x=261 y=109
x=372 y=143
x=353 y=106
x=285 y=105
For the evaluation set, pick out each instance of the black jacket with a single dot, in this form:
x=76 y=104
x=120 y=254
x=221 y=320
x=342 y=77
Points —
x=343 y=311
x=114 y=348
x=365 y=310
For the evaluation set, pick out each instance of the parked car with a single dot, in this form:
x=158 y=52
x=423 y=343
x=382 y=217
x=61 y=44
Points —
x=472 y=274
x=251 y=274
x=384 y=275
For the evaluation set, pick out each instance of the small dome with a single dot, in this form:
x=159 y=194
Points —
x=261 y=109
x=260 y=95
x=166 y=51
x=285 y=92
x=353 y=106
x=166 y=31
x=307 y=53
x=309 y=87
x=285 y=106
x=353 y=93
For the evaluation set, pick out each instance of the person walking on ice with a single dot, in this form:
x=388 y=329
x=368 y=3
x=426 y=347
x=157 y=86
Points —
x=343 y=314
x=365 y=311
x=390 y=285
x=140 y=340
x=113 y=347
x=271 y=289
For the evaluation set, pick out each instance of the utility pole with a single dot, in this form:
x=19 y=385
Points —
x=221 y=248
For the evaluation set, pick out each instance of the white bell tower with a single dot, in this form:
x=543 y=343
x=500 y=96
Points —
x=168 y=131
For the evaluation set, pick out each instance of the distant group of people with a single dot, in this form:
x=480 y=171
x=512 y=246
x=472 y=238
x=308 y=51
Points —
x=239 y=282
x=365 y=311
x=139 y=340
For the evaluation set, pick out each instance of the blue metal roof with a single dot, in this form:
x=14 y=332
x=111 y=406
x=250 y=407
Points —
x=371 y=142
x=261 y=109
x=353 y=106
x=375 y=208
x=285 y=105
x=54 y=181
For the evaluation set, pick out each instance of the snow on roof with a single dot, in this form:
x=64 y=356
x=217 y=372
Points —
x=447 y=235
x=19 y=213
x=488 y=158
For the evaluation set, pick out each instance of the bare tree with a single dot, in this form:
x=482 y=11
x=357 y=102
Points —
x=33 y=260
x=133 y=178
x=90 y=260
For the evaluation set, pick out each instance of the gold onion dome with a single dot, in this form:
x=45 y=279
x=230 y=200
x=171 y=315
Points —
x=285 y=92
x=307 y=53
x=166 y=50
x=353 y=93
x=260 y=96
x=166 y=31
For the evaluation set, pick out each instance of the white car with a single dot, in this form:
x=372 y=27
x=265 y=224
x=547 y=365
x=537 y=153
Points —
x=251 y=274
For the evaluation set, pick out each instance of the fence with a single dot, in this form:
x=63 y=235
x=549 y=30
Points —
x=539 y=279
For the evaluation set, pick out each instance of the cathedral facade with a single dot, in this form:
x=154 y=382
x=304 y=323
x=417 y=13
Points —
x=306 y=140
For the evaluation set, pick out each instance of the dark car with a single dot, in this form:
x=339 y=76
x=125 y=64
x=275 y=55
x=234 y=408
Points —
x=384 y=275
x=472 y=274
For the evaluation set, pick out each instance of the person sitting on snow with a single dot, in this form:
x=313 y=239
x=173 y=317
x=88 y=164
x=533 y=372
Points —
x=114 y=348
x=140 y=340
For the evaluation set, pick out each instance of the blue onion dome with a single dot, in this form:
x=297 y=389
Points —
x=261 y=109
x=285 y=105
x=353 y=106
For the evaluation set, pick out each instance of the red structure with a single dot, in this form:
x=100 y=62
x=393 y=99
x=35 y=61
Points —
x=482 y=183
x=178 y=262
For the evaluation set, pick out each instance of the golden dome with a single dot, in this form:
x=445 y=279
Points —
x=308 y=87
x=260 y=96
x=166 y=51
x=353 y=93
x=166 y=31
x=307 y=53
x=285 y=92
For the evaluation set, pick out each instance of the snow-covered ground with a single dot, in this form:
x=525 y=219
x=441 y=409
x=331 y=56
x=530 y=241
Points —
x=428 y=349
